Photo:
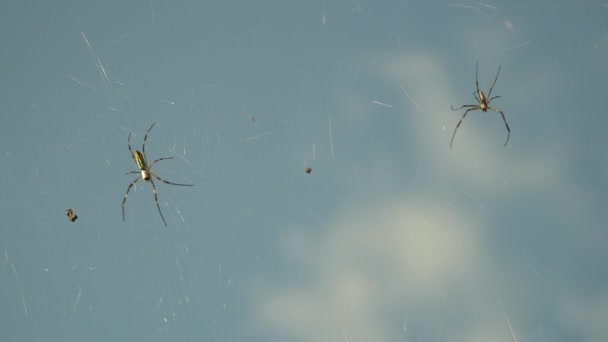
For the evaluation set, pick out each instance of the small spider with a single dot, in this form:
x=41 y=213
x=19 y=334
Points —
x=71 y=214
x=483 y=105
x=308 y=169
x=145 y=173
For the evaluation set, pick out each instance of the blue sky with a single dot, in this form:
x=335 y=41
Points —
x=393 y=236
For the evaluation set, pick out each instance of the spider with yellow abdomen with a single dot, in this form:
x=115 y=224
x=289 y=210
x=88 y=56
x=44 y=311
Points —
x=145 y=173
x=483 y=104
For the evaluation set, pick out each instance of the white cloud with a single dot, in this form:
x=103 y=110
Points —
x=586 y=315
x=373 y=263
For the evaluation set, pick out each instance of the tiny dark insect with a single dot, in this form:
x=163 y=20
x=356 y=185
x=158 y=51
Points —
x=308 y=169
x=253 y=119
x=71 y=215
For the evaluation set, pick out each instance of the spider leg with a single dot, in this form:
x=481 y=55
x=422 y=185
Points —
x=156 y=200
x=167 y=182
x=129 y=144
x=459 y=122
x=506 y=124
x=143 y=148
x=495 y=97
x=130 y=172
x=126 y=195
x=157 y=160
x=476 y=79
x=464 y=106
x=496 y=78
x=476 y=96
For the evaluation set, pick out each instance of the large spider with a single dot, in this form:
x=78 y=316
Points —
x=483 y=105
x=145 y=173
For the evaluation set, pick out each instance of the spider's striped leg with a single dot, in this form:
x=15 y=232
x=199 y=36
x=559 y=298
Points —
x=464 y=106
x=156 y=200
x=157 y=160
x=129 y=144
x=495 y=97
x=164 y=181
x=459 y=122
x=506 y=124
x=126 y=195
x=143 y=148
x=492 y=87
x=130 y=172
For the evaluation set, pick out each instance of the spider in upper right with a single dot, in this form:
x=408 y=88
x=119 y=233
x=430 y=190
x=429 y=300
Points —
x=483 y=105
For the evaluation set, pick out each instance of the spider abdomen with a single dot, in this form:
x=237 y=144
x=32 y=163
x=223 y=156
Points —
x=483 y=103
x=140 y=160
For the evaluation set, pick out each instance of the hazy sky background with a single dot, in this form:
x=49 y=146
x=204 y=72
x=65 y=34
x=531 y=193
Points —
x=391 y=237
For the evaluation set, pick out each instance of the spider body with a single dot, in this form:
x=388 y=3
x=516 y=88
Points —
x=141 y=165
x=139 y=160
x=483 y=104
x=145 y=173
